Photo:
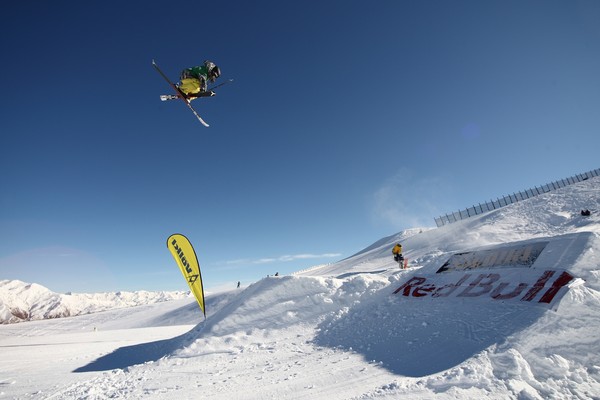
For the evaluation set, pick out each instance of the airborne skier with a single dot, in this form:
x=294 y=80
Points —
x=194 y=81
x=182 y=95
x=193 y=84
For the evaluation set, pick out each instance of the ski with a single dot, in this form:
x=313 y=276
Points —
x=179 y=94
x=166 y=97
x=209 y=93
x=190 y=97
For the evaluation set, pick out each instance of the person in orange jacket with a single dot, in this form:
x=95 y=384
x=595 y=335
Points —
x=397 y=252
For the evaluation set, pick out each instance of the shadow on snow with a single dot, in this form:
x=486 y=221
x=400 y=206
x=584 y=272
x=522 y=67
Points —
x=128 y=356
x=421 y=337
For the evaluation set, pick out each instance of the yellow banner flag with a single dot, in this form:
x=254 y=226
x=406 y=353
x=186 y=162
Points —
x=185 y=256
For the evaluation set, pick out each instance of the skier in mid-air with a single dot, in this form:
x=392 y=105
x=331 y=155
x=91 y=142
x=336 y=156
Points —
x=194 y=81
x=193 y=84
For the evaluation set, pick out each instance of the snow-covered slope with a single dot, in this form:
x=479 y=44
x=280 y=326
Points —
x=343 y=331
x=20 y=301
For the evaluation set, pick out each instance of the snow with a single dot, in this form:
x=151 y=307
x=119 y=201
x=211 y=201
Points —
x=20 y=301
x=338 y=331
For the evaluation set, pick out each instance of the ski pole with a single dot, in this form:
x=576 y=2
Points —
x=221 y=84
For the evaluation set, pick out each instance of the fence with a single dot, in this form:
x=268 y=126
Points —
x=513 y=198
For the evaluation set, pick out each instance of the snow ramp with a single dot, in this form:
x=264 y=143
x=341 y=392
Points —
x=436 y=317
x=413 y=335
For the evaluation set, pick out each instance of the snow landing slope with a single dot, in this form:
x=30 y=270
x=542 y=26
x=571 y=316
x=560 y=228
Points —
x=340 y=331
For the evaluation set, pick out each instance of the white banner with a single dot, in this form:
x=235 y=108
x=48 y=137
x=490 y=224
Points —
x=535 y=271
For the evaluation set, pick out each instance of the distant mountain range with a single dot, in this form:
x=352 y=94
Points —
x=21 y=301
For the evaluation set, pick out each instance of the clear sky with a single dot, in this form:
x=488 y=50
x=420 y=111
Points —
x=347 y=121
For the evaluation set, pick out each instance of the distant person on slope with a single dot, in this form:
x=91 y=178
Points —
x=194 y=81
x=397 y=252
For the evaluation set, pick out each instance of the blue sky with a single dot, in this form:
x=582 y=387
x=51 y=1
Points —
x=347 y=121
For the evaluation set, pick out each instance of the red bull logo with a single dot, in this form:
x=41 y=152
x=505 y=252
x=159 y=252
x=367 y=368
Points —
x=527 y=287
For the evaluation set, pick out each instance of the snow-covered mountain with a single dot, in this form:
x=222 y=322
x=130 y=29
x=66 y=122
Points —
x=20 y=301
x=505 y=305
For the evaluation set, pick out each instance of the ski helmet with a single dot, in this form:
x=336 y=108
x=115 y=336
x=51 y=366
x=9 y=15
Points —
x=215 y=72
